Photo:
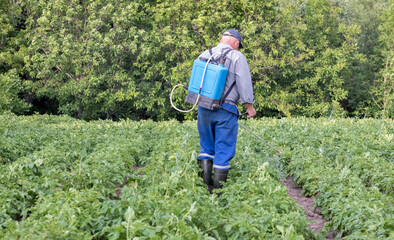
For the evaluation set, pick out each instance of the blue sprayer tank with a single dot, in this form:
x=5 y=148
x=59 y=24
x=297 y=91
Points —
x=214 y=80
x=213 y=85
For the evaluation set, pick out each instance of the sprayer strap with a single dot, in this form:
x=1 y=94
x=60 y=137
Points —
x=232 y=85
x=223 y=55
x=228 y=92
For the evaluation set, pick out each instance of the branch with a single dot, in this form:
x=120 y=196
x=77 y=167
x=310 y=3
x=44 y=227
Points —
x=69 y=75
x=376 y=102
x=387 y=66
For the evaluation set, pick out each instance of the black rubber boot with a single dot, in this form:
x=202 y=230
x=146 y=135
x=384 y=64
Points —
x=206 y=173
x=220 y=176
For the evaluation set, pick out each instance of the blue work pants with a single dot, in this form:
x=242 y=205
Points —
x=218 y=135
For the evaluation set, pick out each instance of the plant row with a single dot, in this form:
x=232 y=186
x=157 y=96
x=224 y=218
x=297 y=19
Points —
x=346 y=164
x=66 y=178
x=125 y=180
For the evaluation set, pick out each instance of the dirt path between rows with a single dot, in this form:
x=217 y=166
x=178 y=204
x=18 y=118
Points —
x=307 y=204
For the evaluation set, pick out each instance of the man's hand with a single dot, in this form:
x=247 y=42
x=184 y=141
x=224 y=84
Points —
x=250 y=109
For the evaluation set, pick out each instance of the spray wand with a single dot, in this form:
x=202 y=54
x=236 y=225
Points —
x=243 y=114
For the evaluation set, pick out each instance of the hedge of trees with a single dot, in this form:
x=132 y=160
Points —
x=113 y=59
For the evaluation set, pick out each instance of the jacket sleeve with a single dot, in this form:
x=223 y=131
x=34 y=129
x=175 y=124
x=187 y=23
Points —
x=243 y=80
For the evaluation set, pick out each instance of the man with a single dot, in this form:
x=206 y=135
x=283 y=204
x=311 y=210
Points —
x=218 y=128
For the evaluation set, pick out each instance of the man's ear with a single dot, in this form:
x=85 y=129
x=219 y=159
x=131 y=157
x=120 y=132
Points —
x=237 y=44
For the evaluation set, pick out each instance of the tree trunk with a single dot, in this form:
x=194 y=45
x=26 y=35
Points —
x=385 y=92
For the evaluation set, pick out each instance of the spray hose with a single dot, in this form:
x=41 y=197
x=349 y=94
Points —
x=199 y=93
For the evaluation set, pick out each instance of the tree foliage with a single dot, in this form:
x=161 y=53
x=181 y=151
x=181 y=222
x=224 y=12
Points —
x=384 y=86
x=119 y=59
x=365 y=86
x=10 y=89
x=82 y=54
x=12 y=52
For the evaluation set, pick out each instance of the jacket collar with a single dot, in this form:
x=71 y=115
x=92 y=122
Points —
x=224 y=45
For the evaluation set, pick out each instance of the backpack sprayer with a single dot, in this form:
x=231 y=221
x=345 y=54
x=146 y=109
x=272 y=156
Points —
x=206 y=84
x=206 y=88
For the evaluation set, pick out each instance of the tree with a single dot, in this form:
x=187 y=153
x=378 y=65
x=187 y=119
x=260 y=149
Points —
x=12 y=52
x=82 y=53
x=383 y=91
x=367 y=15
x=119 y=59
x=10 y=89
x=312 y=82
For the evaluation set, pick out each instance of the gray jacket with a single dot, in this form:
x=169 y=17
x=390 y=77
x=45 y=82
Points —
x=238 y=71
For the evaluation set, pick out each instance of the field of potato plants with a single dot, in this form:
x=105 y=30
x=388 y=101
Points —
x=62 y=178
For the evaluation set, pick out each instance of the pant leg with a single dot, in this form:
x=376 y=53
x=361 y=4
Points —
x=206 y=130
x=226 y=130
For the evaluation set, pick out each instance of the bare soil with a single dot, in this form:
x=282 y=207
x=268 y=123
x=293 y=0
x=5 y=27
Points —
x=138 y=168
x=307 y=203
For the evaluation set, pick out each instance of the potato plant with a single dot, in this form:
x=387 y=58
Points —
x=63 y=178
